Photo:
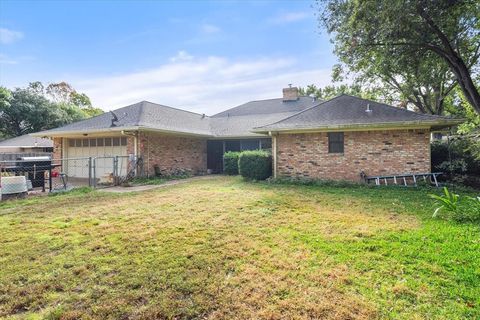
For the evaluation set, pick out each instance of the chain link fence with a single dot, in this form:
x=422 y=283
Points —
x=41 y=174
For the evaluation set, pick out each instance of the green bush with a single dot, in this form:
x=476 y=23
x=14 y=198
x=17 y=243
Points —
x=230 y=160
x=452 y=206
x=457 y=161
x=255 y=164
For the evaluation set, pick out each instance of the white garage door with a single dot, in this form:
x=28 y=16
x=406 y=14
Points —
x=104 y=149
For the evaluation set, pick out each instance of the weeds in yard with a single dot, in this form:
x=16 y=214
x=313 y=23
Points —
x=455 y=207
x=223 y=248
x=157 y=180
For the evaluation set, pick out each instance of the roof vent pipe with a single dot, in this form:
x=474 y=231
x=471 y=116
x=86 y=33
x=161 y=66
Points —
x=368 y=110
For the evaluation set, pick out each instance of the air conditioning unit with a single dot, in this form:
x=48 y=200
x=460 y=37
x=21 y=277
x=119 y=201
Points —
x=14 y=185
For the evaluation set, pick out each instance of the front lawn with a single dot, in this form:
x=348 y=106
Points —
x=221 y=248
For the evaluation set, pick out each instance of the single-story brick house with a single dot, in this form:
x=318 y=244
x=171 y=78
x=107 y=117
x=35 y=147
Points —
x=26 y=144
x=334 y=139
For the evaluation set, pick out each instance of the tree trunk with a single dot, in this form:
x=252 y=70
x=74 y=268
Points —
x=454 y=60
x=466 y=83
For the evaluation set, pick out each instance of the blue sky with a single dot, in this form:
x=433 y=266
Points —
x=203 y=56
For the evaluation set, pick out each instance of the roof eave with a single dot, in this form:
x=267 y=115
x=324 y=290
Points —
x=438 y=124
x=182 y=133
x=67 y=133
x=64 y=133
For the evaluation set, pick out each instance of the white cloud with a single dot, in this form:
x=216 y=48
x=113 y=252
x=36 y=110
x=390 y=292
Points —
x=4 y=59
x=205 y=85
x=289 y=17
x=181 y=56
x=210 y=28
x=8 y=36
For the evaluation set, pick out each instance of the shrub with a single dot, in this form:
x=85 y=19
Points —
x=317 y=182
x=255 y=164
x=230 y=160
x=455 y=207
x=457 y=161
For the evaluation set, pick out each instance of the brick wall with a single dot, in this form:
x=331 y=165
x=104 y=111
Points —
x=172 y=153
x=57 y=148
x=373 y=152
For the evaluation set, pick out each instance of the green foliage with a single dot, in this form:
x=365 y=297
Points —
x=255 y=164
x=457 y=160
x=455 y=207
x=33 y=109
x=169 y=253
x=230 y=160
x=400 y=47
x=332 y=91
x=158 y=180
x=318 y=183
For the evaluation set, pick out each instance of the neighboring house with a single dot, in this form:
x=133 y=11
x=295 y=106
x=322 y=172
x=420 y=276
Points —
x=335 y=139
x=26 y=144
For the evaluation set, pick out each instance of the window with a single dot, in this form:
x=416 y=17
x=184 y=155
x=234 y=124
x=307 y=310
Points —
x=266 y=144
x=108 y=142
x=93 y=142
x=249 y=144
x=100 y=142
x=116 y=142
x=71 y=142
x=232 y=145
x=78 y=142
x=85 y=142
x=335 y=142
x=123 y=141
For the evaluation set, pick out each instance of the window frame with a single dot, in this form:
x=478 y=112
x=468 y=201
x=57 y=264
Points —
x=335 y=144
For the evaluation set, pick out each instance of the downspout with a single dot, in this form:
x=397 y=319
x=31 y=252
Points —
x=274 y=153
x=135 y=145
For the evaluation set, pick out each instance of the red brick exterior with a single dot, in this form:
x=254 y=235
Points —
x=373 y=152
x=173 y=153
x=57 y=148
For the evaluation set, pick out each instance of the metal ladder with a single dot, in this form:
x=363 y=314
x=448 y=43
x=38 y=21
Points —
x=402 y=179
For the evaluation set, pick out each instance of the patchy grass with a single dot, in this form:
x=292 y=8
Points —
x=156 y=180
x=224 y=248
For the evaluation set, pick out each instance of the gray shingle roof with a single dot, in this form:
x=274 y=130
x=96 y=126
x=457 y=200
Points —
x=250 y=119
x=27 y=141
x=241 y=126
x=345 y=110
x=269 y=106
x=143 y=114
x=234 y=122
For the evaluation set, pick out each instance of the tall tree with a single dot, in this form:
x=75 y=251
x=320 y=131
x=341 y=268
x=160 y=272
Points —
x=397 y=36
x=329 y=92
x=32 y=109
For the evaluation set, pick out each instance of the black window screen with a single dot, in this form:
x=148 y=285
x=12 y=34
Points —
x=232 y=145
x=266 y=143
x=335 y=142
x=250 y=144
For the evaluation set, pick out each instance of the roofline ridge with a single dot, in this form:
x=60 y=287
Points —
x=320 y=100
x=397 y=108
x=178 y=109
x=300 y=112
